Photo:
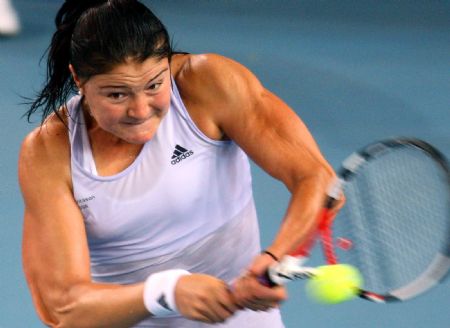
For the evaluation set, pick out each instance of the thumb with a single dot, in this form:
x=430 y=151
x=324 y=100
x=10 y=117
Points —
x=260 y=264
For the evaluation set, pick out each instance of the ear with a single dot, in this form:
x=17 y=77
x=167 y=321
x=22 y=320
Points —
x=75 y=77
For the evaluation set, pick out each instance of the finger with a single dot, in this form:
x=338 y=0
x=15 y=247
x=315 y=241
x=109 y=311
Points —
x=260 y=264
x=220 y=306
x=255 y=291
x=275 y=294
x=255 y=306
x=241 y=292
x=215 y=313
x=226 y=300
x=202 y=317
x=230 y=302
x=261 y=305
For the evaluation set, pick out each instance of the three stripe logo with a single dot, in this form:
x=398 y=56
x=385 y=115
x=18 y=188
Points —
x=179 y=154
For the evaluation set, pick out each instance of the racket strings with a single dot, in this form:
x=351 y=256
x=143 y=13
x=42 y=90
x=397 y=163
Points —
x=396 y=207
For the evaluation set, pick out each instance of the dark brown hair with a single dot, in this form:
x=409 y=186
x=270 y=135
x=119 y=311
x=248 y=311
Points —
x=94 y=36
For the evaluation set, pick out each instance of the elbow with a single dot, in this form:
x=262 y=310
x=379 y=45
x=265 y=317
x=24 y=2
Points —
x=326 y=178
x=60 y=311
x=324 y=187
x=56 y=317
x=52 y=306
x=324 y=175
x=316 y=187
x=318 y=180
x=65 y=315
x=59 y=316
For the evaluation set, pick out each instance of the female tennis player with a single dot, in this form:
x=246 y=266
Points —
x=138 y=202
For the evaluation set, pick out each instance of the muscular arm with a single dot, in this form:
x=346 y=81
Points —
x=56 y=255
x=55 y=252
x=234 y=104
x=228 y=102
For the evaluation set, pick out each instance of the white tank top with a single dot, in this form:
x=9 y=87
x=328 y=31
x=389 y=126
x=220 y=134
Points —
x=186 y=202
x=182 y=187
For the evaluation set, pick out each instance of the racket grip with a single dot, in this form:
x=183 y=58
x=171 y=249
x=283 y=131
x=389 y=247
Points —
x=265 y=280
x=289 y=269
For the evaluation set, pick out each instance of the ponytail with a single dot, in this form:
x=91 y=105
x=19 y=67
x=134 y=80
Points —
x=59 y=83
x=86 y=39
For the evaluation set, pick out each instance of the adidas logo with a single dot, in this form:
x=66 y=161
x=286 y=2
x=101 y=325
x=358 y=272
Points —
x=179 y=154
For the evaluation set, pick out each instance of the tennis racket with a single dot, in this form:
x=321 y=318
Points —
x=394 y=226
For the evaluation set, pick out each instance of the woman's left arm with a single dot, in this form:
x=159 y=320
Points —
x=272 y=135
x=275 y=138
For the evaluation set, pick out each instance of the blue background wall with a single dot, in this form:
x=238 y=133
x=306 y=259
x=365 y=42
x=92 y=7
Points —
x=355 y=71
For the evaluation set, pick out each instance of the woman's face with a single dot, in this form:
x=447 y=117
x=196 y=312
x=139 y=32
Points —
x=130 y=101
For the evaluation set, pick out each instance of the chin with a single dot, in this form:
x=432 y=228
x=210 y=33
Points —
x=140 y=139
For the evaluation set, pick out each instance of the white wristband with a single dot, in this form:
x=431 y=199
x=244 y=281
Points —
x=159 y=292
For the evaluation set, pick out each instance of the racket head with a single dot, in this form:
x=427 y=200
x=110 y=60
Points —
x=395 y=225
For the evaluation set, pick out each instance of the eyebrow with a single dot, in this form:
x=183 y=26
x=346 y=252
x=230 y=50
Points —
x=124 y=86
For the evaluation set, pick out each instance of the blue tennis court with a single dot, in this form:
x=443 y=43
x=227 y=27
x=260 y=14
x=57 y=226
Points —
x=355 y=72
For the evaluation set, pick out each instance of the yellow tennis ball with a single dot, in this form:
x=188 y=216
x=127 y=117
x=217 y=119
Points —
x=334 y=284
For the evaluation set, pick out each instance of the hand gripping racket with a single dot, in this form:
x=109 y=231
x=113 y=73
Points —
x=394 y=227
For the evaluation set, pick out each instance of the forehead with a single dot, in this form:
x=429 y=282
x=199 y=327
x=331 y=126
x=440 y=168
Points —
x=132 y=72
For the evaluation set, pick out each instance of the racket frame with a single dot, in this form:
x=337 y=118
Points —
x=290 y=267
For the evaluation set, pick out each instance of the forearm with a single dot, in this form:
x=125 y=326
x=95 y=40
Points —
x=301 y=218
x=100 y=305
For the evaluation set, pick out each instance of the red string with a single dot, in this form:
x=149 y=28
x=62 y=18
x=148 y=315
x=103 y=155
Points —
x=324 y=231
x=326 y=236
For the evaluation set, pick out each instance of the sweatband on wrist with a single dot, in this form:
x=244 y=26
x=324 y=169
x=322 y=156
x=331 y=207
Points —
x=159 y=292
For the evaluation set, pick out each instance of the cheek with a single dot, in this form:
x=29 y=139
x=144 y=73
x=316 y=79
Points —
x=109 y=119
x=106 y=115
x=162 y=100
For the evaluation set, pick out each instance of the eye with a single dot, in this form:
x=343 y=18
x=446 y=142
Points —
x=116 y=95
x=154 y=86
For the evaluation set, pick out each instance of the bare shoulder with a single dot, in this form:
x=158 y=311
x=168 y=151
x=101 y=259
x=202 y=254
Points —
x=212 y=76
x=211 y=65
x=45 y=151
x=45 y=141
x=214 y=88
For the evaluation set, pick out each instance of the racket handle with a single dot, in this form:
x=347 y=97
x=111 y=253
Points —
x=266 y=280
x=289 y=269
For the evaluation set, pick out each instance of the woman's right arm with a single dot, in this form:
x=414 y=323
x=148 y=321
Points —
x=56 y=255
x=55 y=251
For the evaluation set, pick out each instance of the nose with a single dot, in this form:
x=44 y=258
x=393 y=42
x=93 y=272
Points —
x=140 y=108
